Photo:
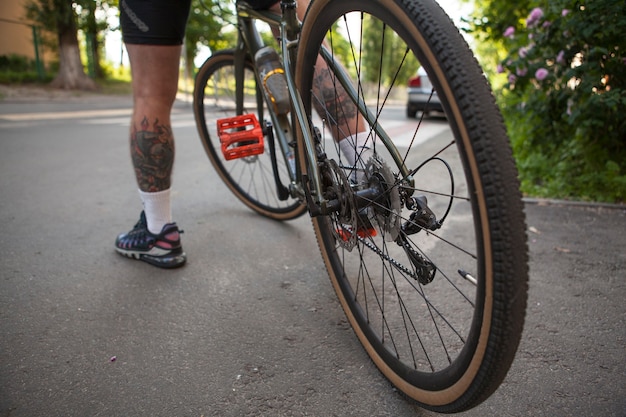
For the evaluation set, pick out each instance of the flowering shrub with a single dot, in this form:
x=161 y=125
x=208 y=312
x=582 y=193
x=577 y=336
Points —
x=565 y=98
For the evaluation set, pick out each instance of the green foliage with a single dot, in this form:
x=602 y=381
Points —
x=383 y=53
x=18 y=69
x=341 y=48
x=564 y=97
x=487 y=25
x=118 y=84
x=211 y=23
x=44 y=12
x=22 y=77
x=93 y=26
x=16 y=63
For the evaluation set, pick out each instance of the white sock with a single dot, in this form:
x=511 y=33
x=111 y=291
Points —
x=157 y=207
x=355 y=148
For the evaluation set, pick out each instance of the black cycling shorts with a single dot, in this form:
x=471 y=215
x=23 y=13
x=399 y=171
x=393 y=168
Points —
x=161 y=22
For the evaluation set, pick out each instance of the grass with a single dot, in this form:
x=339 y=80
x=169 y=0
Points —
x=115 y=86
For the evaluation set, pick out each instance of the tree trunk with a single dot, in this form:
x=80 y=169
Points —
x=92 y=31
x=71 y=74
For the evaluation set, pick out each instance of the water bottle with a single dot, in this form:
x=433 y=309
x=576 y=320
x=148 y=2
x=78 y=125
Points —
x=273 y=77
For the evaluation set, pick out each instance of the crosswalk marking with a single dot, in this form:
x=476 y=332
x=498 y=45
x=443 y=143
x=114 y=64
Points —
x=64 y=115
x=119 y=117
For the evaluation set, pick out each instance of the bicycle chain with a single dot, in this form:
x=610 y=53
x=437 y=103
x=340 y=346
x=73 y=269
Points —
x=395 y=263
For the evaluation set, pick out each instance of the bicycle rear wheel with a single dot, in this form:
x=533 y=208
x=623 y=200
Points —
x=428 y=253
x=252 y=178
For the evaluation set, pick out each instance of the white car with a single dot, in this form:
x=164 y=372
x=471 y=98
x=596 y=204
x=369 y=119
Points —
x=422 y=96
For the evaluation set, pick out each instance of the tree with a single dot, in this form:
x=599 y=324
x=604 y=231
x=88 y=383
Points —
x=208 y=24
x=384 y=55
x=58 y=16
x=93 y=28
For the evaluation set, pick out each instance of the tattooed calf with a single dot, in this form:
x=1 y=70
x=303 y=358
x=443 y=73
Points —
x=333 y=104
x=152 y=152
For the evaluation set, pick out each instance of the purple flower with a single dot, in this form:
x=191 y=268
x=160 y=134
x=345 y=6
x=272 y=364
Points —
x=512 y=79
x=541 y=74
x=565 y=12
x=500 y=69
x=535 y=15
x=523 y=51
x=509 y=32
x=521 y=72
x=546 y=24
x=560 y=58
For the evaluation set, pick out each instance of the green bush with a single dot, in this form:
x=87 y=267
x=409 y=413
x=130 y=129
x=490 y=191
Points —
x=12 y=77
x=565 y=101
x=15 y=63
x=19 y=69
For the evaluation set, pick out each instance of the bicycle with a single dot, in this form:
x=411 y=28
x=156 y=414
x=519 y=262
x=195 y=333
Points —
x=424 y=241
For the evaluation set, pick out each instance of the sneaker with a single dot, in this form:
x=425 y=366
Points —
x=163 y=250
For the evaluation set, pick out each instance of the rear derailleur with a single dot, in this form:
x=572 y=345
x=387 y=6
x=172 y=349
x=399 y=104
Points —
x=421 y=218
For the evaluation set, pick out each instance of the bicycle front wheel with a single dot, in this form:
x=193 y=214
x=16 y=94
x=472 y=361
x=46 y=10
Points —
x=428 y=252
x=253 y=179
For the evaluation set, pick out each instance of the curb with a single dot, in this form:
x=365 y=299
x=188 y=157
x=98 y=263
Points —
x=572 y=203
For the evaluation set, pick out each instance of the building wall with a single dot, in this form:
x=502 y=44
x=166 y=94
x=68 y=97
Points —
x=16 y=33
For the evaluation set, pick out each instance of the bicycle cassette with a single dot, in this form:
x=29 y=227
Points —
x=386 y=209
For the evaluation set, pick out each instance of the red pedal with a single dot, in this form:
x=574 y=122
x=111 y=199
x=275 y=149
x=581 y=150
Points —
x=240 y=136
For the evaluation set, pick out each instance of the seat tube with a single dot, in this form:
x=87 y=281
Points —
x=248 y=42
x=240 y=59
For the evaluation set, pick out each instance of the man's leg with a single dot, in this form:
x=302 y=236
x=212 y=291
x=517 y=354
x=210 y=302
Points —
x=155 y=83
x=348 y=129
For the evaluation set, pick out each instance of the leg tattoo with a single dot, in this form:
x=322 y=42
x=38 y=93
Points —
x=332 y=102
x=152 y=152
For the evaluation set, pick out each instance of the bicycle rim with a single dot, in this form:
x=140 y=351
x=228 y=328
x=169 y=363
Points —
x=438 y=305
x=250 y=178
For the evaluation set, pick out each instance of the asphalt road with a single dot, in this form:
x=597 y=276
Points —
x=250 y=327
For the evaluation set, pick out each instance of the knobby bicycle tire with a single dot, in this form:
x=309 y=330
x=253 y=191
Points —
x=403 y=281
x=251 y=178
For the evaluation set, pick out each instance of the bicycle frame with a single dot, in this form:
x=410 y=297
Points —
x=305 y=185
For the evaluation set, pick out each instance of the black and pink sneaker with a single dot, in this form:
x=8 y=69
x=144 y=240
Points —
x=163 y=250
